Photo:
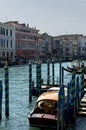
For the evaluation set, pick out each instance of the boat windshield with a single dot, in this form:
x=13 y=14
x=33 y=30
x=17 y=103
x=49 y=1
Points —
x=47 y=105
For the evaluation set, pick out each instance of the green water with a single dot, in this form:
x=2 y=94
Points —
x=19 y=104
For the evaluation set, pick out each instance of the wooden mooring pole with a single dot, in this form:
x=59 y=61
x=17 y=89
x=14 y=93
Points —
x=73 y=96
x=48 y=73
x=62 y=76
x=1 y=95
x=30 y=83
x=82 y=81
x=60 y=72
x=67 y=107
x=38 y=78
x=77 y=92
x=53 y=73
x=6 y=91
x=61 y=107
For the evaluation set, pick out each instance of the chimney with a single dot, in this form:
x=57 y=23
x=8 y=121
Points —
x=27 y=25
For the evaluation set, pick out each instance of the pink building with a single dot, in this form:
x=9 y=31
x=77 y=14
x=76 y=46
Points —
x=26 y=40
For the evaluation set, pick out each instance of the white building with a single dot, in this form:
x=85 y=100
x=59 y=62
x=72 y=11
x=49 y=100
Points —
x=7 y=42
x=67 y=49
x=62 y=48
x=82 y=46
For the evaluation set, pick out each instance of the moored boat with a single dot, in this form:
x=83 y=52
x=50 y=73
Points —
x=57 y=89
x=78 y=71
x=44 y=88
x=44 y=115
x=77 y=66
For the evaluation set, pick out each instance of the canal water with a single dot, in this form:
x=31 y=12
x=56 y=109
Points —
x=19 y=106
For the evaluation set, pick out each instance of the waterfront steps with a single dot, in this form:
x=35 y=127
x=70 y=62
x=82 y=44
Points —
x=82 y=107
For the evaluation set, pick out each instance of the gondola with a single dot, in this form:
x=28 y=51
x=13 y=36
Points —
x=71 y=70
x=78 y=69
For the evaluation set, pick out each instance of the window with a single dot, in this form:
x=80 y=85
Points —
x=3 y=31
x=3 y=54
x=23 y=37
x=12 y=54
x=11 y=43
x=10 y=32
x=6 y=32
x=7 y=43
x=7 y=54
x=83 y=48
x=2 y=42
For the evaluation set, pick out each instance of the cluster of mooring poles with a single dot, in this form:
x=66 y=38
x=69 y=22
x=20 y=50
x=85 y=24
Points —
x=68 y=101
x=39 y=80
x=6 y=93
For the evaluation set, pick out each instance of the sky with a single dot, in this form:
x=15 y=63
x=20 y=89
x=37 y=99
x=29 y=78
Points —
x=55 y=17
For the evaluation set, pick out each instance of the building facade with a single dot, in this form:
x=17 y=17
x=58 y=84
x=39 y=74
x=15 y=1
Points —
x=26 y=40
x=7 y=42
x=45 y=47
x=62 y=49
x=19 y=41
x=66 y=49
x=69 y=43
x=82 y=47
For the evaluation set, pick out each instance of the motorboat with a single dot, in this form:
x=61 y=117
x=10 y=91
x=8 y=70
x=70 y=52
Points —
x=44 y=88
x=44 y=114
x=57 y=89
